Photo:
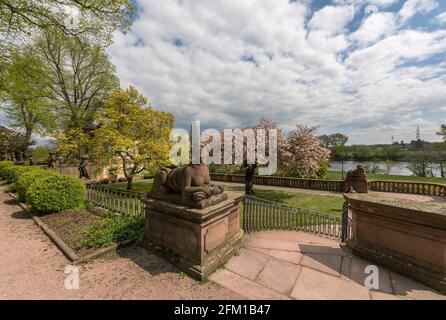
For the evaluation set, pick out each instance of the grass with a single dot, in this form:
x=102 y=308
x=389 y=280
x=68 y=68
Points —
x=324 y=204
x=139 y=186
x=112 y=229
x=337 y=175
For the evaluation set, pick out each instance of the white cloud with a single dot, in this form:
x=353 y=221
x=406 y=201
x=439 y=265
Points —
x=441 y=18
x=332 y=19
x=375 y=27
x=412 y=7
x=229 y=63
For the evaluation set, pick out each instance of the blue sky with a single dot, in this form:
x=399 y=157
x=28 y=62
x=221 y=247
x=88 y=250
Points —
x=371 y=69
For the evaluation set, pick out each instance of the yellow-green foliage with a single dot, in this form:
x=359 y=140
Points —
x=3 y=165
x=12 y=173
x=56 y=192
x=27 y=178
x=133 y=132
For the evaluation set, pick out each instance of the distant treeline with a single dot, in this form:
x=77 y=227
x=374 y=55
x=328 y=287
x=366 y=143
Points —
x=394 y=152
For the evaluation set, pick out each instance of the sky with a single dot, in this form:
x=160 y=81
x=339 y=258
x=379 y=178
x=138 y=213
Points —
x=371 y=69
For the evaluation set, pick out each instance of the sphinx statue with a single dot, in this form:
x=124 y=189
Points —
x=189 y=186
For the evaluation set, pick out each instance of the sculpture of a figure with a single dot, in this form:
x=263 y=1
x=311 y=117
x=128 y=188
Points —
x=52 y=161
x=83 y=168
x=189 y=185
x=356 y=180
x=359 y=171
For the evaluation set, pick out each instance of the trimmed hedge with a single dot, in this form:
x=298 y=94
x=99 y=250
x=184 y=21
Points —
x=26 y=179
x=56 y=192
x=4 y=165
x=12 y=173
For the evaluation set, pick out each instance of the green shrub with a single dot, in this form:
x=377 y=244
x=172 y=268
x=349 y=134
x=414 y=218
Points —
x=113 y=229
x=12 y=173
x=55 y=193
x=3 y=165
x=27 y=178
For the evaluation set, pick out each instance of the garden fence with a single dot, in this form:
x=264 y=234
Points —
x=261 y=215
x=258 y=214
x=120 y=201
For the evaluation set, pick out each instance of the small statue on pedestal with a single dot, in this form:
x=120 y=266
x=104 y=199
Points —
x=52 y=161
x=83 y=167
x=356 y=180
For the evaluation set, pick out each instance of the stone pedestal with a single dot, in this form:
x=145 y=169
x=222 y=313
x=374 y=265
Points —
x=408 y=237
x=198 y=241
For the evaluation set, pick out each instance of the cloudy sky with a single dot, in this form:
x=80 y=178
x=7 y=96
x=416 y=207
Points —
x=367 y=68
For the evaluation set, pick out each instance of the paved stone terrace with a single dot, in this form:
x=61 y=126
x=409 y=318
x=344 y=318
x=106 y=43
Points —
x=297 y=265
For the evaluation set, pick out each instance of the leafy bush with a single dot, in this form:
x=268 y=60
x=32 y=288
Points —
x=113 y=229
x=12 y=173
x=3 y=165
x=27 y=178
x=56 y=192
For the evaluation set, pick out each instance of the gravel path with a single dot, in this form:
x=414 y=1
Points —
x=33 y=268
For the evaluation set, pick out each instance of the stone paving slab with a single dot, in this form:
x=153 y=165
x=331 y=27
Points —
x=299 y=265
x=327 y=263
x=410 y=289
x=290 y=256
x=314 y=285
x=248 y=263
x=245 y=287
x=279 y=276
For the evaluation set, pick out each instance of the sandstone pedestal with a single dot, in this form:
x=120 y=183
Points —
x=406 y=236
x=198 y=241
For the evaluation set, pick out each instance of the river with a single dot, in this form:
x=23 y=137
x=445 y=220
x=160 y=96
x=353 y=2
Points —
x=399 y=167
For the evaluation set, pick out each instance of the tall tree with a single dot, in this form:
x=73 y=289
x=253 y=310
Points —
x=25 y=94
x=134 y=132
x=302 y=154
x=80 y=76
x=95 y=18
x=437 y=151
x=442 y=132
x=12 y=144
x=333 y=140
x=421 y=163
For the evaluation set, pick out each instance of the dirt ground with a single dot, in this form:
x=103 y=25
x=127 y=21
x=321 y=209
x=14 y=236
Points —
x=31 y=267
x=72 y=228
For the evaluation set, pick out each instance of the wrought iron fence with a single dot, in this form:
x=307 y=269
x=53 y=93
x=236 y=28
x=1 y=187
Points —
x=260 y=215
x=120 y=201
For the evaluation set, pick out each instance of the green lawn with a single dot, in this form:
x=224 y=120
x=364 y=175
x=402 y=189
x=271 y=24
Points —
x=319 y=203
x=139 y=186
x=337 y=175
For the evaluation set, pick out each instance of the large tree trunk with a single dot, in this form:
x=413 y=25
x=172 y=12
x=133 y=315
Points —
x=249 y=177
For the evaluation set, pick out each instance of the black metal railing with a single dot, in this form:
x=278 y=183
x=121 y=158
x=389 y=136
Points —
x=120 y=201
x=261 y=215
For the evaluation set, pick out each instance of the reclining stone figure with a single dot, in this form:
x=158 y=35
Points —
x=189 y=185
